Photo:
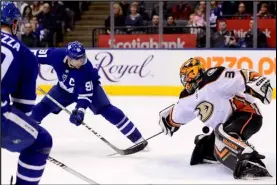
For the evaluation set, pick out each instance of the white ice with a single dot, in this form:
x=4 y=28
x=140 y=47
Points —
x=167 y=161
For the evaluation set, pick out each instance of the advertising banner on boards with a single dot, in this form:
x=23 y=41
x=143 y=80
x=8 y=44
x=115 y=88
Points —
x=156 y=72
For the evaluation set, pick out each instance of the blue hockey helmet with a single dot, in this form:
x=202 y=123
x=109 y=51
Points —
x=76 y=54
x=75 y=50
x=9 y=13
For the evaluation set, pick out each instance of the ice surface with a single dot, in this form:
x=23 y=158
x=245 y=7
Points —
x=167 y=162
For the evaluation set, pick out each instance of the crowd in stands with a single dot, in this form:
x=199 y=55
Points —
x=44 y=23
x=190 y=17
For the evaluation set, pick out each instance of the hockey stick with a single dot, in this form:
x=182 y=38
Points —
x=70 y=170
x=129 y=151
x=139 y=143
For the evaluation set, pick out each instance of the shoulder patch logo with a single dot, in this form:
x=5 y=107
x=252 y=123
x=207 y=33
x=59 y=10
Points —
x=205 y=110
x=211 y=71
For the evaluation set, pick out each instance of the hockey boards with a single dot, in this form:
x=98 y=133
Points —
x=127 y=151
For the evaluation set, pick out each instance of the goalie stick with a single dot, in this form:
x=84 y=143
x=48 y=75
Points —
x=128 y=151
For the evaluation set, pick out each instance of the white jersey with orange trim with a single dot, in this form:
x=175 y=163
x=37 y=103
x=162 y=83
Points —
x=220 y=93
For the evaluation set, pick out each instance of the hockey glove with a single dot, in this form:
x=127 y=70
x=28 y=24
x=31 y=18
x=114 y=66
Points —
x=167 y=128
x=77 y=116
x=260 y=88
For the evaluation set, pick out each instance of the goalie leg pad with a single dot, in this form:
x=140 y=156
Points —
x=203 y=150
x=238 y=156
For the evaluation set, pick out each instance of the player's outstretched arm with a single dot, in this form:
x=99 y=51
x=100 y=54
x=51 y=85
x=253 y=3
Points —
x=174 y=116
x=166 y=124
x=44 y=56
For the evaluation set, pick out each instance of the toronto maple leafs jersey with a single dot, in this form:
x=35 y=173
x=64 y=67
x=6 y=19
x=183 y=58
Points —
x=19 y=70
x=79 y=82
x=220 y=93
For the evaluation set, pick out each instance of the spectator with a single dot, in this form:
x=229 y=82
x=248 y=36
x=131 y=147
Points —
x=35 y=26
x=46 y=19
x=202 y=6
x=134 y=19
x=191 y=25
x=142 y=12
x=216 y=13
x=181 y=10
x=27 y=14
x=26 y=17
x=230 y=41
x=216 y=8
x=263 y=11
x=272 y=8
x=119 y=20
x=155 y=10
x=198 y=18
x=59 y=14
x=23 y=5
x=74 y=6
x=154 y=27
x=29 y=38
x=229 y=8
x=262 y=40
x=241 y=14
x=171 y=26
x=218 y=38
x=125 y=8
x=155 y=21
x=69 y=16
x=36 y=8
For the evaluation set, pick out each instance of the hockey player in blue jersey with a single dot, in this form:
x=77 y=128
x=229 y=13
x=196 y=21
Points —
x=20 y=133
x=78 y=81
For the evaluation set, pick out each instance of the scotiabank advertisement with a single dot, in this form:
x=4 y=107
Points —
x=267 y=26
x=148 y=41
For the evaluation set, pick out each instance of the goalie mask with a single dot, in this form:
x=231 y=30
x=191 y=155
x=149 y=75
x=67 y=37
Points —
x=191 y=73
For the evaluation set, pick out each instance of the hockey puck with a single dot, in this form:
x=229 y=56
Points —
x=205 y=130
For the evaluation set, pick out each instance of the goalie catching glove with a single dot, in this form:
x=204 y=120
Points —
x=258 y=86
x=165 y=123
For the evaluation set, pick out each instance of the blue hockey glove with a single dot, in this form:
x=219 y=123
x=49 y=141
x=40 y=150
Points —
x=77 y=116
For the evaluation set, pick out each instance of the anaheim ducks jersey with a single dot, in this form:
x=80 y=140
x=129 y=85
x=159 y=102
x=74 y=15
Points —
x=220 y=93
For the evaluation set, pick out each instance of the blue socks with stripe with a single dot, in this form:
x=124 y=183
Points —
x=122 y=122
x=32 y=160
